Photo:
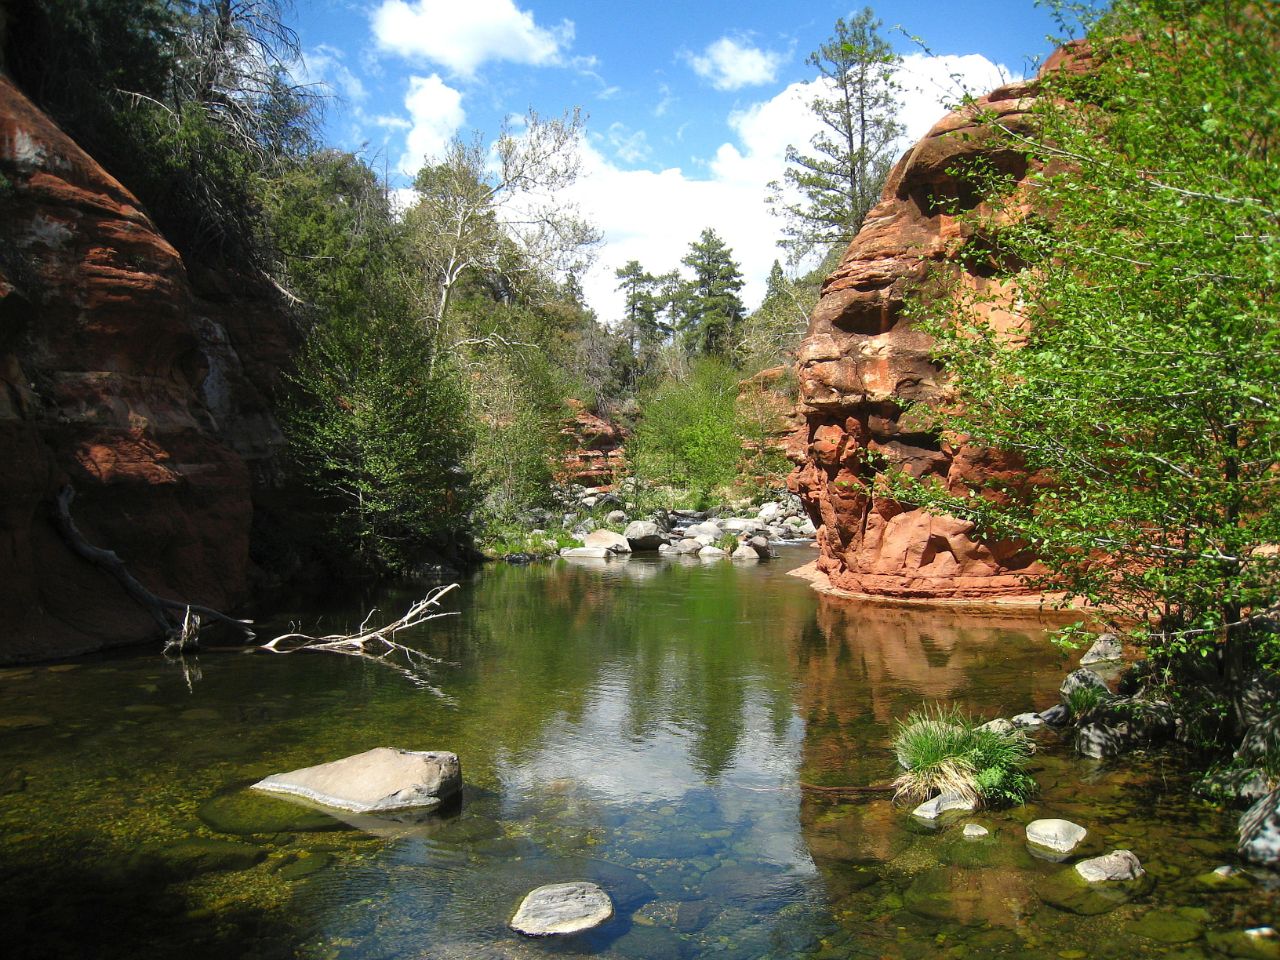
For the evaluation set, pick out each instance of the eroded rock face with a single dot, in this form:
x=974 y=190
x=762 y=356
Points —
x=863 y=360
x=116 y=376
x=594 y=448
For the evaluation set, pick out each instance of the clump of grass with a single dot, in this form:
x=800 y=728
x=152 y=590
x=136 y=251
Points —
x=1083 y=699
x=941 y=750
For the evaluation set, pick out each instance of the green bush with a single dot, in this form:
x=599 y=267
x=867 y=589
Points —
x=688 y=435
x=941 y=750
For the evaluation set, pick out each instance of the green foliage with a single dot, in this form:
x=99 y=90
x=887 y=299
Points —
x=1145 y=395
x=1082 y=699
x=709 y=307
x=941 y=750
x=825 y=195
x=688 y=434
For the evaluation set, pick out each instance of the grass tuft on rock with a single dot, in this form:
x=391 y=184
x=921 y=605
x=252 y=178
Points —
x=942 y=750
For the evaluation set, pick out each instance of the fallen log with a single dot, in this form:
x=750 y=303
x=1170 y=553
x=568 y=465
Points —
x=179 y=620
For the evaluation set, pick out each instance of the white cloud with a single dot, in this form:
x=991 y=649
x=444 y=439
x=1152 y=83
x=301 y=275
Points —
x=653 y=216
x=435 y=115
x=463 y=35
x=733 y=64
x=322 y=67
x=629 y=146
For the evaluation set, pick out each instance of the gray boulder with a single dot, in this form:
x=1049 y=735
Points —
x=1078 y=679
x=711 y=553
x=590 y=553
x=688 y=546
x=376 y=780
x=761 y=546
x=999 y=725
x=562 y=908
x=616 y=516
x=644 y=535
x=668 y=550
x=1106 y=649
x=707 y=528
x=1260 y=831
x=1122 y=724
x=769 y=512
x=933 y=809
x=975 y=831
x=1116 y=865
x=1027 y=720
x=745 y=552
x=1061 y=836
x=608 y=540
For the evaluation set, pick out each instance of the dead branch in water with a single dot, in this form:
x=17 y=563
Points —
x=174 y=617
x=379 y=645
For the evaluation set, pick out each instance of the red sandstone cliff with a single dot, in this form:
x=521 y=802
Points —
x=119 y=375
x=594 y=454
x=862 y=361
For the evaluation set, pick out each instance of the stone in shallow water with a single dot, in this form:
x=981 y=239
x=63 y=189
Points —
x=999 y=725
x=377 y=780
x=1259 y=943
x=202 y=855
x=1260 y=831
x=1067 y=891
x=974 y=831
x=243 y=813
x=933 y=809
x=562 y=908
x=1080 y=679
x=1106 y=649
x=1062 y=836
x=1116 y=865
x=590 y=553
x=1166 y=926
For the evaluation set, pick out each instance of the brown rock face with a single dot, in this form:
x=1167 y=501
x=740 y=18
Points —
x=117 y=377
x=594 y=454
x=862 y=361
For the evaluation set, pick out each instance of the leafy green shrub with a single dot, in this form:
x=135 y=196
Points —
x=688 y=436
x=941 y=750
x=1083 y=699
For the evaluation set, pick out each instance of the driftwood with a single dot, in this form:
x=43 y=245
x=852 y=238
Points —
x=179 y=620
x=378 y=645
x=874 y=788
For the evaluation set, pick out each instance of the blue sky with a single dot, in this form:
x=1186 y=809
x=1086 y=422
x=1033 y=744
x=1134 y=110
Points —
x=690 y=106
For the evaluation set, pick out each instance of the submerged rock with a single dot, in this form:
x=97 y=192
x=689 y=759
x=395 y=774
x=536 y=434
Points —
x=202 y=855
x=376 y=780
x=975 y=831
x=1116 y=865
x=1166 y=926
x=1061 y=836
x=1224 y=879
x=243 y=813
x=1067 y=891
x=562 y=908
x=1258 y=943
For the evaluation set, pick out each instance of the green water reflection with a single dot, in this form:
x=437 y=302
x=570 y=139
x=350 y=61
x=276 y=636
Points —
x=656 y=727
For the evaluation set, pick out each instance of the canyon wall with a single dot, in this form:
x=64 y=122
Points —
x=863 y=361
x=145 y=387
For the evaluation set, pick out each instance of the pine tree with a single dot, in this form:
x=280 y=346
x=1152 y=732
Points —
x=840 y=181
x=711 y=310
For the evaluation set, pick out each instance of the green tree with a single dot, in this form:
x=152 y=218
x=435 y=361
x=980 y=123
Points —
x=772 y=332
x=1143 y=391
x=825 y=194
x=710 y=309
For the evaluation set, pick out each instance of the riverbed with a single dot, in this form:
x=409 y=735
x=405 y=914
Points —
x=675 y=731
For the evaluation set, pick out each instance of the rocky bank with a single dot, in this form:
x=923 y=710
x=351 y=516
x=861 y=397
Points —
x=143 y=383
x=863 y=361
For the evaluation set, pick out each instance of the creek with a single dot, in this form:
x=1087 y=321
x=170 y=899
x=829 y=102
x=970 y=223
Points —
x=655 y=726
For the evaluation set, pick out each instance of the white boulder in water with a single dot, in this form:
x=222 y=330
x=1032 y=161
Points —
x=561 y=908
x=377 y=780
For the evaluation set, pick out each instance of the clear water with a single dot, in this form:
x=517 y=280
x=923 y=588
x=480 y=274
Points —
x=664 y=729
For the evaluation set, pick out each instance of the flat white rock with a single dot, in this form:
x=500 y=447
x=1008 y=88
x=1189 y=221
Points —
x=561 y=908
x=933 y=809
x=1060 y=835
x=1116 y=865
x=608 y=540
x=377 y=780
x=593 y=553
x=974 y=831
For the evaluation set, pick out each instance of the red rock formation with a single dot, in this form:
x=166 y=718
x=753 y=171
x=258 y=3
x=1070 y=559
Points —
x=862 y=360
x=594 y=454
x=116 y=377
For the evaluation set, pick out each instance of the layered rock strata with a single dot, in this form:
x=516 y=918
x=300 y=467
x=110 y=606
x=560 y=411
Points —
x=863 y=361
x=594 y=448
x=146 y=392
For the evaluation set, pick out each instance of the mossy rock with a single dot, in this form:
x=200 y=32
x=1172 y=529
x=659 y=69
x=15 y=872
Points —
x=1219 y=883
x=1237 y=943
x=26 y=721
x=200 y=855
x=1066 y=890
x=246 y=812
x=938 y=895
x=1166 y=926
x=298 y=865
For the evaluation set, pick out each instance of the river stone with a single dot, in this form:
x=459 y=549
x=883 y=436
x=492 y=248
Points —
x=933 y=809
x=242 y=813
x=304 y=864
x=761 y=546
x=1258 y=943
x=1055 y=716
x=1061 y=836
x=1224 y=879
x=668 y=550
x=1260 y=831
x=607 y=539
x=711 y=553
x=689 y=546
x=202 y=855
x=376 y=780
x=1077 y=679
x=744 y=552
x=1067 y=891
x=1166 y=926
x=1027 y=720
x=1116 y=865
x=975 y=831
x=591 y=553
x=616 y=516
x=561 y=908
x=1106 y=649
x=999 y=725
x=644 y=535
